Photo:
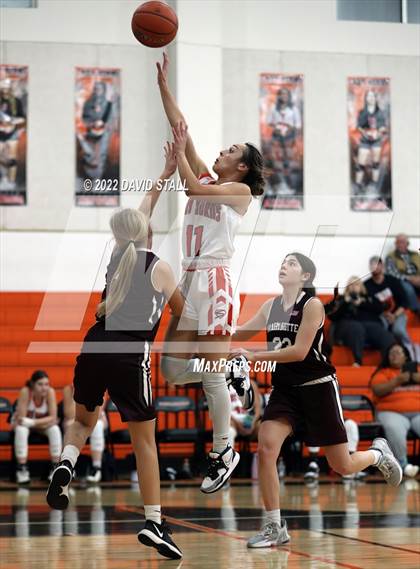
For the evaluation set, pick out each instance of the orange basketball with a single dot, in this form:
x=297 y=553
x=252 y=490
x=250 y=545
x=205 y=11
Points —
x=154 y=24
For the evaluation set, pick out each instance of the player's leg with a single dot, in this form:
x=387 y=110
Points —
x=271 y=437
x=21 y=453
x=379 y=455
x=97 y=446
x=396 y=427
x=55 y=442
x=312 y=471
x=155 y=533
x=223 y=459
x=177 y=365
x=74 y=440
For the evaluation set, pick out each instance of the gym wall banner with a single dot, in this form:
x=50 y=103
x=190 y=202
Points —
x=13 y=112
x=369 y=133
x=97 y=119
x=281 y=131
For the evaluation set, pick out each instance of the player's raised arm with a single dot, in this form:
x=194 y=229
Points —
x=258 y=322
x=175 y=115
x=313 y=315
x=236 y=194
x=150 y=200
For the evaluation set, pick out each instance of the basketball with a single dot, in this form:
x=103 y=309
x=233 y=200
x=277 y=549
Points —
x=154 y=24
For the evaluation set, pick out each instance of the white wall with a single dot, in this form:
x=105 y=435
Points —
x=287 y=25
x=221 y=48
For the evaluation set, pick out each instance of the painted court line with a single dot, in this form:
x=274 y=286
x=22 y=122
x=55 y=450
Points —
x=369 y=542
x=205 y=529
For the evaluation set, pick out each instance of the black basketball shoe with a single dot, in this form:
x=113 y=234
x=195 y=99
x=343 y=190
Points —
x=157 y=536
x=58 y=490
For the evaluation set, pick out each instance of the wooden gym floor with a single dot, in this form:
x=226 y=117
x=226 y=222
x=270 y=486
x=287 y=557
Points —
x=356 y=525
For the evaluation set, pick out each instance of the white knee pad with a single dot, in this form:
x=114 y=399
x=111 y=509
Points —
x=352 y=431
x=21 y=441
x=97 y=438
x=179 y=371
x=55 y=440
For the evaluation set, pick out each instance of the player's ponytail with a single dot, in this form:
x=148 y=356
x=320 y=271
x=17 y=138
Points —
x=254 y=178
x=130 y=229
x=308 y=266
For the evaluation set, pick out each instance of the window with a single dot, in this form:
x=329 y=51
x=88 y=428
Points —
x=18 y=3
x=413 y=11
x=369 y=10
x=399 y=11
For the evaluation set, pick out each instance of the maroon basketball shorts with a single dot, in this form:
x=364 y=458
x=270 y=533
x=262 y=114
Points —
x=313 y=411
x=126 y=376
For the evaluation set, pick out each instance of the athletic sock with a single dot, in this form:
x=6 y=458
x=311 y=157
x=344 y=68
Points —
x=273 y=516
x=377 y=454
x=218 y=400
x=70 y=453
x=153 y=514
x=97 y=464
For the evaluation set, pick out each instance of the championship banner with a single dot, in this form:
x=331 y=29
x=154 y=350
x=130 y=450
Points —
x=97 y=136
x=13 y=107
x=281 y=129
x=369 y=132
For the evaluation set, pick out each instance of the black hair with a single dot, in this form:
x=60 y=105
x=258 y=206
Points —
x=308 y=266
x=254 y=178
x=385 y=363
x=36 y=376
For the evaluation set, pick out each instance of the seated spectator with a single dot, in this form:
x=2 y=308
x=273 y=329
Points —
x=36 y=410
x=97 y=438
x=356 y=318
x=405 y=265
x=388 y=290
x=396 y=389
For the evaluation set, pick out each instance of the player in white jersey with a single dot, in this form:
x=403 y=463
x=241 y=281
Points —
x=213 y=214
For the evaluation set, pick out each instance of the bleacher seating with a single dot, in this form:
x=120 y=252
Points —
x=57 y=322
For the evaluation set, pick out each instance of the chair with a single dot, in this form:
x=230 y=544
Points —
x=369 y=429
x=178 y=417
x=6 y=408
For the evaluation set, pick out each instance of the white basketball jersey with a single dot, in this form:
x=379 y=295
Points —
x=208 y=231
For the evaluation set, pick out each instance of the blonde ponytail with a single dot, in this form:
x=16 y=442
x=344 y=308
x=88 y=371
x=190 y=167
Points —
x=130 y=229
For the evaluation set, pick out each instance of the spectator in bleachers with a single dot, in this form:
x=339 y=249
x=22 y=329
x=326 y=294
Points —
x=356 y=318
x=388 y=290
x=97 y=437
x=396 y=389
x=405 y=265
x=36 y=409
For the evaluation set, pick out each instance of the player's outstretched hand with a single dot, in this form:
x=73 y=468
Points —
x=180 y=133
x=170 y=158
x=250 y=356
x=163 y=70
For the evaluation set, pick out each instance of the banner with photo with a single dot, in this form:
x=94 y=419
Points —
x=369 y=132
x=281 y=130
x=98 y=92
x=13 y=111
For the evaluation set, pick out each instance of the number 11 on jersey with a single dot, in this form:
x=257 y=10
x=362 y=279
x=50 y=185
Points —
x=196 y=232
